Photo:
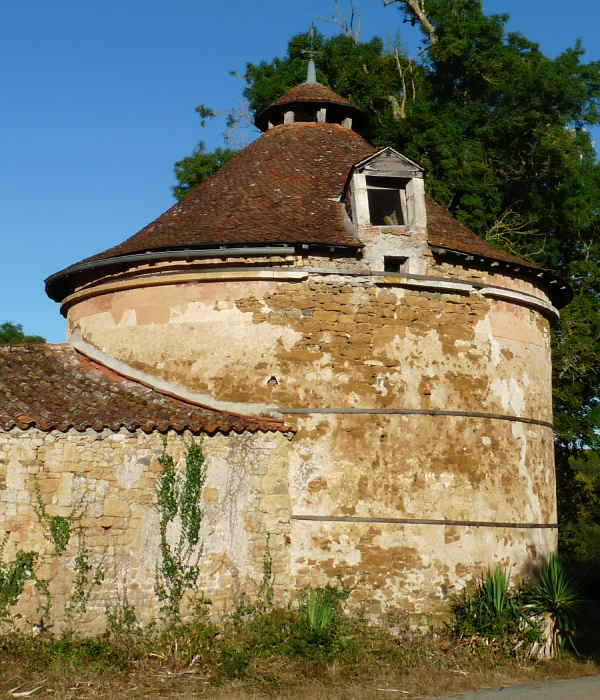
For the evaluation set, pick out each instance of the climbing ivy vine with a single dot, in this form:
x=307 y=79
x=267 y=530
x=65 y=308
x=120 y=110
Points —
x=13 y=577
x=178 y=494
x=60 y=530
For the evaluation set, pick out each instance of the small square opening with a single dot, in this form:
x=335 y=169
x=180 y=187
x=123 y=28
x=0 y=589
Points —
x=395 y=264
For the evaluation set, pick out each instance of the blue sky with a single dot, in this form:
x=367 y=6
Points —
x=97 y=103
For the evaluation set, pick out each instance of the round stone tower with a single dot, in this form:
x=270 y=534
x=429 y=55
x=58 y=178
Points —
x=311 y=278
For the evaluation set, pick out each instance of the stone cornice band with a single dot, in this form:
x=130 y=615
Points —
x=422 y=521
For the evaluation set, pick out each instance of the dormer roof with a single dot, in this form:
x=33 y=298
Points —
x=388 y=158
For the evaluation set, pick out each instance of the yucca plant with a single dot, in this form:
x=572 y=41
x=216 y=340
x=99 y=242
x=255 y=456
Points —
x=489 y=607
x=320 y=614
x=557 y=598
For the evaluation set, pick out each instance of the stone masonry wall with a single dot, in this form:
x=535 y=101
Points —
x=113 y=475
x=344 y=358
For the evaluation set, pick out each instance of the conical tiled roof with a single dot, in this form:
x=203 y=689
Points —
x=280 y=189
x=284 y=188
x=311 y=92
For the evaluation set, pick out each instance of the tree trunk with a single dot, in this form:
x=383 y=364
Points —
x=417 y=9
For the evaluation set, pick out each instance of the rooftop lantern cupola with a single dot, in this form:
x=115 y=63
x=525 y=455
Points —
x=309 y=102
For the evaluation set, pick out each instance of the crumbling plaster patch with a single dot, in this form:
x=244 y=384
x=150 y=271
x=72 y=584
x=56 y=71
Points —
x=399 y=563
x=194 y=328
x=300 y=344
x=435 y=467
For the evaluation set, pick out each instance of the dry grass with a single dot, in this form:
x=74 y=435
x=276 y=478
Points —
x=432 y=669
x=267 y=654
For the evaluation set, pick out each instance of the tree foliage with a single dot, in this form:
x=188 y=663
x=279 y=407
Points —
x=197 y=167
x=578 y=488
x=12 y=334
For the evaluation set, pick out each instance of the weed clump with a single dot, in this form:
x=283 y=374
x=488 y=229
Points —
x=489 y=608
x=259 y=644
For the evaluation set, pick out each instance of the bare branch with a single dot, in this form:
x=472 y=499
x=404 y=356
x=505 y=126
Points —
x=238 y=120
x=342 y=21
x=398 y=108
x=510 y=230
x=416 y=8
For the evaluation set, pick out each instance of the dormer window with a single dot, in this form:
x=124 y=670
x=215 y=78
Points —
x=386 y=191
x=387 y=201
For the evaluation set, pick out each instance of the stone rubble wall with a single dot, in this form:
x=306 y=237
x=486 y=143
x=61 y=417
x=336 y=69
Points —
x=113 y=476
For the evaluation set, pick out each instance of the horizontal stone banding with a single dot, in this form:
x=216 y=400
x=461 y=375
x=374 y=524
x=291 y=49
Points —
x=421 y=521
x=156 y=277
x=416 y=412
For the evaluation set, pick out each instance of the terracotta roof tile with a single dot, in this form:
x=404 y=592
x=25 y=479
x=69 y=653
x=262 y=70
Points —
x=52 y=387
x=309 y=92
x=280 y=190
x=445 y=231
x=277 y=190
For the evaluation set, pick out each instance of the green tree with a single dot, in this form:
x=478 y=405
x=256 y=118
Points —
x=12 y=334
x=200 y=165
x=365 y=73
x=579 y=504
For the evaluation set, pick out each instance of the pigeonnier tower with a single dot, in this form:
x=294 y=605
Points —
x=311 y=278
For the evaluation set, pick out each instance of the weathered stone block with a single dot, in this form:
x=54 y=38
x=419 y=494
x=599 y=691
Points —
x=114 y=507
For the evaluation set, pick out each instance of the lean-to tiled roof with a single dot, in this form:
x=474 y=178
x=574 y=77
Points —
x=53 y=387
x=277 y=190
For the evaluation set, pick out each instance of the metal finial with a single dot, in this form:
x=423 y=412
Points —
x=311 y=76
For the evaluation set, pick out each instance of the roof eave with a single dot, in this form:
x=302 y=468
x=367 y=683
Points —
x=54 y=283
x=561 y=296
